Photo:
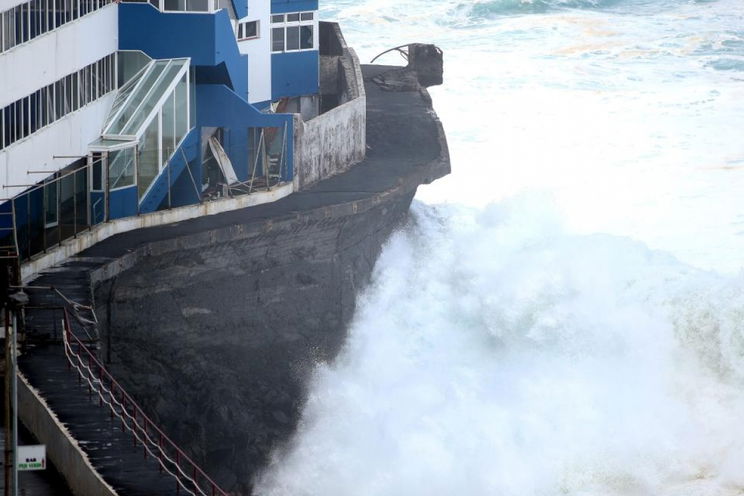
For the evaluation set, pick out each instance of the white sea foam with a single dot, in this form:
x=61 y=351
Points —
x=497 y=354
x=564 y=315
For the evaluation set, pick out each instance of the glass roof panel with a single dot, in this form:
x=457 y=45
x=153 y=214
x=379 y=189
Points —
x=122 y=96
x=152 y=99
x=149 y=78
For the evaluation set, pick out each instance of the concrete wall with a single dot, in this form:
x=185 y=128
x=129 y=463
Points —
x=336 y=140
x=62 y=449
x=96 y=234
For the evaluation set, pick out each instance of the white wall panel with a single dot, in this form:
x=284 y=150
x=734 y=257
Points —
x=9 y=4
x=69 y=136
x=53 y=55
x=259 y=52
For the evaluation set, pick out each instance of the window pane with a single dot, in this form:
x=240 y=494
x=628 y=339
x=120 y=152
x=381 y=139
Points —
x=306 y=37
x=151 y=100
x=181 y=115
x=293 y=38
x=121 y=168
x=293 y=17
x=67 y=205
x=81 y=198
x=197 y=5
x=146 y=85
x=277 y=39
x=169 y=126
x=277 y=18
x=250 y=29
x=97 y=177
x=50 y=203
x=148 y=162
x=307 y=16
x=26 y=116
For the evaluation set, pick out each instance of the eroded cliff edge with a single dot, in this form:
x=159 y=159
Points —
x=214 y=324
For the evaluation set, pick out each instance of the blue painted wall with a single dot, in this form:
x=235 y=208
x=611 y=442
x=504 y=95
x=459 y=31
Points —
x=220 y=107
x=241 y=7
x=158 y=194
x=207 y=38
x=294 y=74
x=123 y=203
x=283 y=6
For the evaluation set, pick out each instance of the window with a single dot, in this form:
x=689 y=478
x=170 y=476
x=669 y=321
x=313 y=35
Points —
x=42 y=107
x=277 y=39
x=248 y=30
x=51 y=206
x=293 y=32
x=28 y=20
x=121 y=168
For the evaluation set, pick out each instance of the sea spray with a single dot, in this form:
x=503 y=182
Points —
x=496 y=353
x=584 y=338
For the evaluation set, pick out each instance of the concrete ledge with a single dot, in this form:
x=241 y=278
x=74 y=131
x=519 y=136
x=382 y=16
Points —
x=96 y=234
x=62 y=449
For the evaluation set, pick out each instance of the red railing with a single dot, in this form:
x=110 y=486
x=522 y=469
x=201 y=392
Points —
x=154 y=442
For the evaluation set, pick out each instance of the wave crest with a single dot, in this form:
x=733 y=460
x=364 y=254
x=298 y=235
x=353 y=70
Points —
x=493 y=8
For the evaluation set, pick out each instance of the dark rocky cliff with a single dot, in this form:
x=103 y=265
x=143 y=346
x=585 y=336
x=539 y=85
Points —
x=214 y=324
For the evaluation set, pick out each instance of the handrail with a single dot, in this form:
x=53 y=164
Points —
x=399 y=49
x=193 y=480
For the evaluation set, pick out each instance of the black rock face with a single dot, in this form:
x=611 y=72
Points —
x=218 y=341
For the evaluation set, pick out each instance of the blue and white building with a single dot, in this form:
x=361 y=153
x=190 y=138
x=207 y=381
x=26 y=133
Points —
x=114 y=109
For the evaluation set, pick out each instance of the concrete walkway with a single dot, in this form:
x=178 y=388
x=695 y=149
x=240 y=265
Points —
x=404 y=139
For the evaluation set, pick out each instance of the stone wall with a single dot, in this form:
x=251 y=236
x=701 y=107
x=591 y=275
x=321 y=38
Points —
x=335 y=140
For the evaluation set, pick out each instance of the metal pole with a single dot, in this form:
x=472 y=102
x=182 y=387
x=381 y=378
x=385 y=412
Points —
x=105 y=176
x=74 y=204
x=193 y=181
x=7 y=425
x=15 y=404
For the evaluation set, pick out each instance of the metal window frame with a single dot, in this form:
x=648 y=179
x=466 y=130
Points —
x=283 y=25
x=134 y=145
x=241 y=30
x=158 y=105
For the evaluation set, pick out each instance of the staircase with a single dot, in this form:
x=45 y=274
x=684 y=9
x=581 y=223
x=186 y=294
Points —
x=61 y=361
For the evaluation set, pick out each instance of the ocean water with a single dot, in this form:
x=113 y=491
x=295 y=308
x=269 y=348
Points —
x=564 y=314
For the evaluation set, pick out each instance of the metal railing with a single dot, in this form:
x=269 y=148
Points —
x=49 y=213
x=153 y=440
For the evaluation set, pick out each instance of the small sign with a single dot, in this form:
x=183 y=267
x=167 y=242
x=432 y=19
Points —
x=32 y=457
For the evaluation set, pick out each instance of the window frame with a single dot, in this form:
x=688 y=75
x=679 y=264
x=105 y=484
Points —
x=241 y=30
x=281 y=22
